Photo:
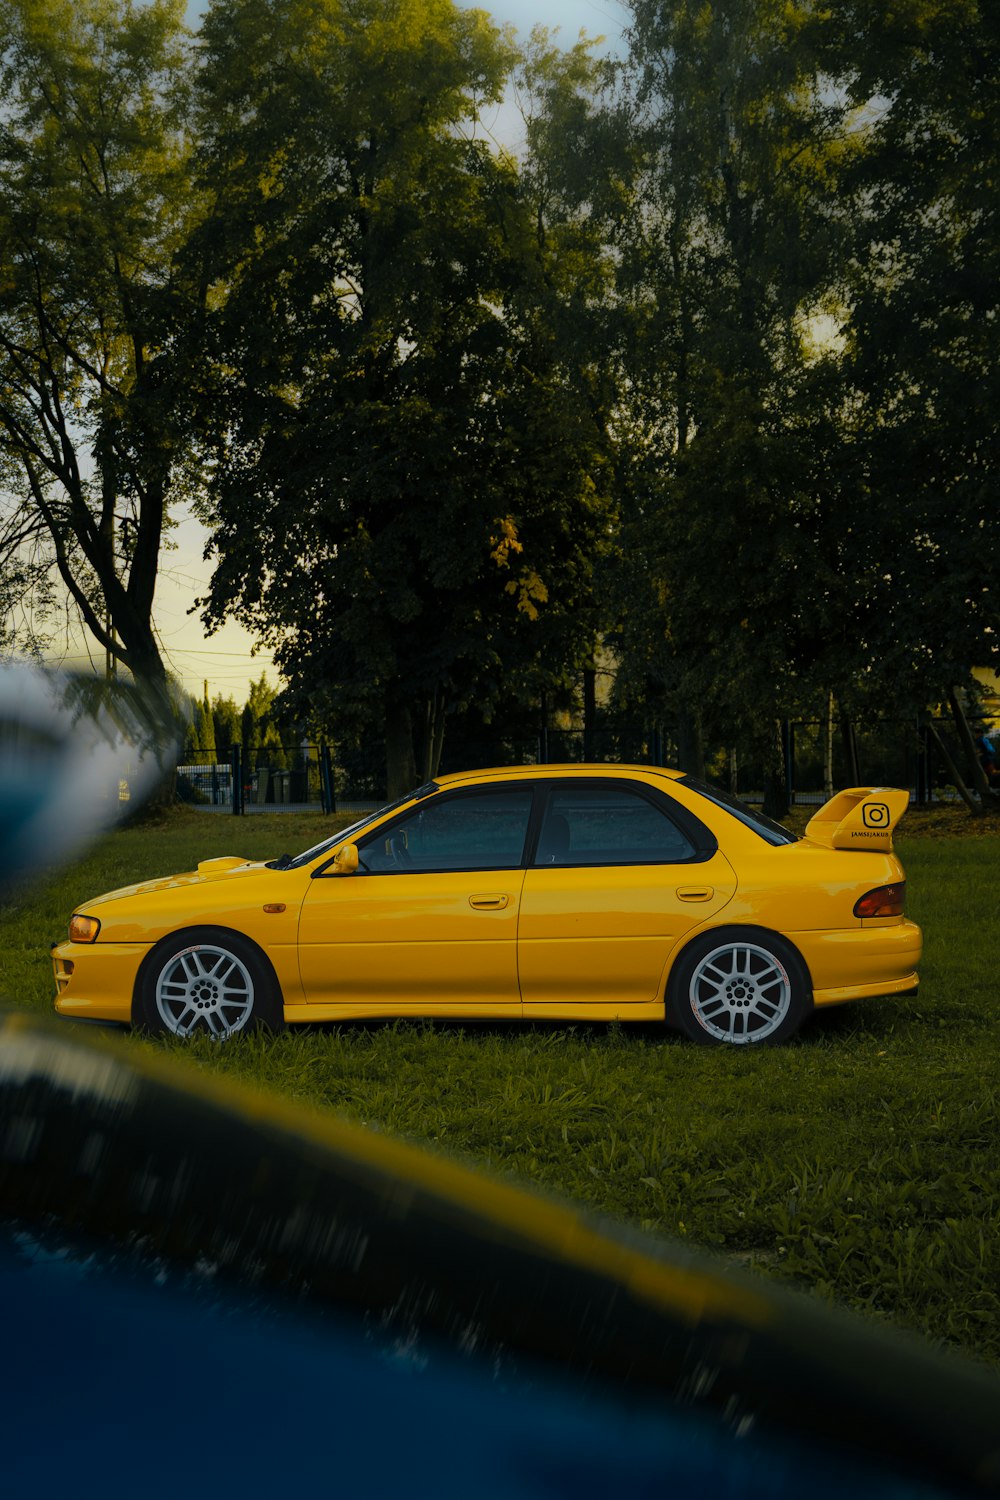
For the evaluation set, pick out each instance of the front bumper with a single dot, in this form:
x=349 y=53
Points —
x=96 y=981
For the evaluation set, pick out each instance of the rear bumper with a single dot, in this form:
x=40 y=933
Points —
x=862 y=961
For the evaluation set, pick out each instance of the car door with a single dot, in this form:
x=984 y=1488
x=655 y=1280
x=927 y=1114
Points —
x=428 y=923
x=616 y=879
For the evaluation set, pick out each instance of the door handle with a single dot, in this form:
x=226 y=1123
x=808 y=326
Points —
x=488 y=903
x=695 y=892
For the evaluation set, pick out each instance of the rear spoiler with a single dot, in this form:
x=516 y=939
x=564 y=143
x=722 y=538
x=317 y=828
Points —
x=862 y=817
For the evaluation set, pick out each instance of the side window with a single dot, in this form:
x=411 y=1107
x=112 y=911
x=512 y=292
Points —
x=613 y=825
x=480 y=831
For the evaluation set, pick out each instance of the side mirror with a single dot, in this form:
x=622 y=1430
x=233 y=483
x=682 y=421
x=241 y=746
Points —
x=346 y=862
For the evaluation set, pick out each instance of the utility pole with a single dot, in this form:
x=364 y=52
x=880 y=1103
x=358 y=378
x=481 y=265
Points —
x=110 y=661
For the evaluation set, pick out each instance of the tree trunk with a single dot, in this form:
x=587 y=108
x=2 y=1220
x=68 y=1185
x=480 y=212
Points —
x=828 y=749
x=431 y=738
x=589 y=711
x=775 y=781
x=956 y=775
x=849 y=741
x=159 y=728
x=690 y=747
x=400 y=761
x=988 y=800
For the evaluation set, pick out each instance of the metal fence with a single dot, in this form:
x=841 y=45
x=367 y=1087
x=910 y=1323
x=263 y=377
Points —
x=304 y=777
x=894 y=752
x=274 y=779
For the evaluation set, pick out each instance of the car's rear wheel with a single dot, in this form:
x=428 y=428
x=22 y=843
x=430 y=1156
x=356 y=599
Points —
x=738 y=985
x=208 y=980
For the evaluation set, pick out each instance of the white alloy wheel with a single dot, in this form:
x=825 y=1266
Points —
x=740 y=992
x=205 y=985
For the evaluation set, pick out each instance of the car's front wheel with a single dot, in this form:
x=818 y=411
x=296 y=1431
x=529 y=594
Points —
x=739 y=985
x=209 y=980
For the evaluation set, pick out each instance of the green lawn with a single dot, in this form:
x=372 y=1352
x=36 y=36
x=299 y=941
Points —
x=860 y=1161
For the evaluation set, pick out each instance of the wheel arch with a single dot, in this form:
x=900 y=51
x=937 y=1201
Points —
x=745 y=929
x=677 y=1002
x=203 y=930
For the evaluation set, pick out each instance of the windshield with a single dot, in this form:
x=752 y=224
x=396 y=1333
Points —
x=765 y=827
x=345 y=835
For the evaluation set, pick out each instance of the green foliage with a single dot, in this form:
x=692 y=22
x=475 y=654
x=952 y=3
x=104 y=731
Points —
x=729 y=593
x=859 y=1161
x=272 y=752
x=376 y=378
x=226 y=724
x=204 y=729
x=797 y=344
x=260 y=729
x=923 y=289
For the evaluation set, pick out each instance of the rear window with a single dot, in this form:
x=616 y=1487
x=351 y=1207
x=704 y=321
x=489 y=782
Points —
x=765 y=827
x=608 y=825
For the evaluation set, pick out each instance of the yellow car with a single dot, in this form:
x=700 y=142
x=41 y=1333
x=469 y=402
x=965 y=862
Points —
x=578 y=892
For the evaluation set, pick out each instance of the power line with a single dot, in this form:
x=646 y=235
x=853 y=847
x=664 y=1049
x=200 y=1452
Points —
x=242 y=655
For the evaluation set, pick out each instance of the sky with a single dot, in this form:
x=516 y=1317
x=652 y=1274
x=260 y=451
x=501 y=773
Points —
x=224 y=660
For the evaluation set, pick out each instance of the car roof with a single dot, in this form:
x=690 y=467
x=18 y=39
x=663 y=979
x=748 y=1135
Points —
x=569 y=768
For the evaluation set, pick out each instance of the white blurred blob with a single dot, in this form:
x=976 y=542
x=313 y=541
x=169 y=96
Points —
x=75 y=755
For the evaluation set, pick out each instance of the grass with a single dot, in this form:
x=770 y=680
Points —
x=860 y=1161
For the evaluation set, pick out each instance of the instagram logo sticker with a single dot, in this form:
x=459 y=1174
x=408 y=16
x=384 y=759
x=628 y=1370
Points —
x=875 y=815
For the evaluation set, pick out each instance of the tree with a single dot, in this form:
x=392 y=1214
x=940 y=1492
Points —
x=728 y=596
x=226 y=724
x=93 y=204
x=422 y=524
x=259 y=727
x=271 y=752
x=574 y=193
x=203 y=731
x=922 y=292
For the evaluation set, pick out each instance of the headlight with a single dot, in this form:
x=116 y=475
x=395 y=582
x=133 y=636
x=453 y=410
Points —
x=83 y=929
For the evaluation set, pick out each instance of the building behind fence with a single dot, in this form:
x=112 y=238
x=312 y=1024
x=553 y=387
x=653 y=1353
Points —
x=889 y=753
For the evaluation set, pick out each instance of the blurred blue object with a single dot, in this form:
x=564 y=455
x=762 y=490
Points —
x=75 y=753
x=123 y=1377
x=220 y=1287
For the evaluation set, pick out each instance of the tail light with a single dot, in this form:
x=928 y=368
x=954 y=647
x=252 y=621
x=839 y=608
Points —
x=883 y=901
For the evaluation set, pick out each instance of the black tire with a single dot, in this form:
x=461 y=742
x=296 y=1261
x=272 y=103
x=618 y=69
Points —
x=738 y=985
x=210 y=980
